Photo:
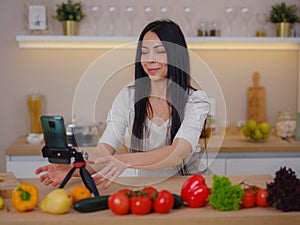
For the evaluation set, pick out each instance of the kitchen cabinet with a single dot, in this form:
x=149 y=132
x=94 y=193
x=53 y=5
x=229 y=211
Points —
x=267 y=165
x=235 y=156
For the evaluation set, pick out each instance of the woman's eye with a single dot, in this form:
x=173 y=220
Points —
x=160 y=50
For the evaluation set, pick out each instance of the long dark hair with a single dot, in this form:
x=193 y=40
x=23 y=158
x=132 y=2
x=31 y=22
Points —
x=174 y=42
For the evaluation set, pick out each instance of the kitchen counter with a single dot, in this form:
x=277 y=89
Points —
x=237 y=155
x=230 y=144
x=206 y=215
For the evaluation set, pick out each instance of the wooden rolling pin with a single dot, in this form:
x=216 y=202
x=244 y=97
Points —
x=256 y=100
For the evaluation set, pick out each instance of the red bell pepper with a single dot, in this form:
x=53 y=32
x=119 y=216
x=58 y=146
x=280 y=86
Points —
x=194 y=191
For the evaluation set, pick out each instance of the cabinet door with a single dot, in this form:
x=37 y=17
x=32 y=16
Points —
x=239 y=166
x=25 y=169
x=217 y=166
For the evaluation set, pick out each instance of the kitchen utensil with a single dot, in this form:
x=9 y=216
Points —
x=256 y=100
x=8 y=182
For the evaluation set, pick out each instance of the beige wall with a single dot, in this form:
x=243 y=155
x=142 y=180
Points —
x=56 y=74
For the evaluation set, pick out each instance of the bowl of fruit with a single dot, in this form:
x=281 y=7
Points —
x=256 y=132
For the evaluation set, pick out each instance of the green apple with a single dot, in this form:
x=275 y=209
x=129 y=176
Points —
x=256 y=135
x=251 y=125
x=264 y=128
x=246 y=132
x=1 y=202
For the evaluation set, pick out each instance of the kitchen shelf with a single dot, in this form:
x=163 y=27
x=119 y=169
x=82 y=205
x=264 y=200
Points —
x=195 y=43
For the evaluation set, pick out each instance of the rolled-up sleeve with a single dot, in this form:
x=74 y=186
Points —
x=196 y=111
x=116 y=121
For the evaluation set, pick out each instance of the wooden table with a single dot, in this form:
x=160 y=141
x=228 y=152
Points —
x=206 y=215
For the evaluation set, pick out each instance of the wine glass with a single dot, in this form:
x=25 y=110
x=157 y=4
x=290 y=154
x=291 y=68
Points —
x=246 y=16
x=130 y=14
x=113 y=12
x=187 y=17
x=95 y=12
x=149 y=13
x=230 y=15
x=262 y=20
x=163 y=11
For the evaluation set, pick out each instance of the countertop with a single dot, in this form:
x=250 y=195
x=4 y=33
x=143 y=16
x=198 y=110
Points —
x=205 y=215
x=229 y=144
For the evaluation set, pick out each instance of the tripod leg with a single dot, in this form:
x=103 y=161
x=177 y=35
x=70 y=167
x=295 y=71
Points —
x=88 y=181
x=69 y=175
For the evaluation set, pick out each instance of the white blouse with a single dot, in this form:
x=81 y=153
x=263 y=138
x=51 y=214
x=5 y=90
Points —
x=120 y=122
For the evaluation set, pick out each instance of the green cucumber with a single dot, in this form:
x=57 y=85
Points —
x=92 y=204
x=178 y=202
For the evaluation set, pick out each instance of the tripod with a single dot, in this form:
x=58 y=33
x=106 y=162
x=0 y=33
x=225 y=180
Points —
x=85 y=176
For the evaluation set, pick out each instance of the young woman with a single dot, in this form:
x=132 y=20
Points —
x=161 y=112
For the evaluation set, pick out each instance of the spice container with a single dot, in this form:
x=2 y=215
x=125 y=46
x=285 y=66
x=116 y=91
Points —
x=214 y=30
x=202 y=31
x=285 y=125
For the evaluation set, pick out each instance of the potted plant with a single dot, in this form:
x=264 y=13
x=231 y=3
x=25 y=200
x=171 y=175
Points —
x=284 y=17
x=69 y=14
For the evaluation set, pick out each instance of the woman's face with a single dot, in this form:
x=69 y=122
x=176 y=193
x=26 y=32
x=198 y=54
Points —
x=154 y=56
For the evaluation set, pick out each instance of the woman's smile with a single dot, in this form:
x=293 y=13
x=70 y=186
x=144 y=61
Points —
x=153 y=71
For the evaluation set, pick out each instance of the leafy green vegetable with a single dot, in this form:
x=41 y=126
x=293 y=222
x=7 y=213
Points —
x=225 y=196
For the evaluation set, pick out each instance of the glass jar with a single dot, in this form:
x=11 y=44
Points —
x=34 y=103
x=202 y=30
x=285 y=125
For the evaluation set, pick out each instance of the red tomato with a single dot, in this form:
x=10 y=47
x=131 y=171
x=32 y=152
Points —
x=151 y=192
x=249 y=198
x=140 y=204
x=198 y=197
x=261 y=198
x=127 y=192
x=119 y=203
x=164 y=202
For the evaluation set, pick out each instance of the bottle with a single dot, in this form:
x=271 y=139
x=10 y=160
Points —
x=285 y=125
x=202 y=30
x=214 y=30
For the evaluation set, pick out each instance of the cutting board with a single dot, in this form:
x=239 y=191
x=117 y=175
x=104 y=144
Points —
x=8 y=182
x=257 y=100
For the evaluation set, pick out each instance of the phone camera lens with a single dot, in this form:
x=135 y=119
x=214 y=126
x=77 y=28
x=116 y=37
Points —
x=51 y=125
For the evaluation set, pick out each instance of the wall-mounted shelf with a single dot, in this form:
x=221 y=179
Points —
x=206 y=43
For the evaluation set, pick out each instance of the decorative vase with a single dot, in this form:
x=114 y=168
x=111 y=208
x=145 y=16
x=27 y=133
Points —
x=70 y=27
x=283 y=29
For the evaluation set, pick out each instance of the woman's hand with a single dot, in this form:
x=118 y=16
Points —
x=54 y=173
x=112 y=168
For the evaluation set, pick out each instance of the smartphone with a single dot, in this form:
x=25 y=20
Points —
x=54 y=131
x=56 y=141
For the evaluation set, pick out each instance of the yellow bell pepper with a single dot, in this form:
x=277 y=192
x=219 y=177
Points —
x=25 y=197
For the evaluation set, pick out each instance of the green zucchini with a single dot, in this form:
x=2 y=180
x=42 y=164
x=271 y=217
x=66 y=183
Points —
x=92 y=204
x=178 y=202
